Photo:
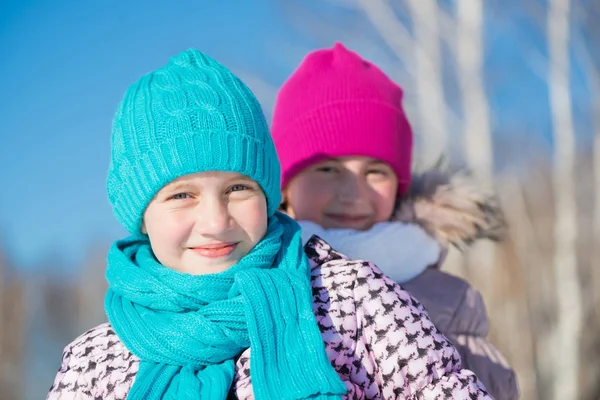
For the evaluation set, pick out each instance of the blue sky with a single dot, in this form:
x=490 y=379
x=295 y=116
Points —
x=65 y=65
x=69 y=64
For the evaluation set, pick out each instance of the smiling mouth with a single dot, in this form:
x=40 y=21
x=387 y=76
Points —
x=348 y=219
x=215 y=250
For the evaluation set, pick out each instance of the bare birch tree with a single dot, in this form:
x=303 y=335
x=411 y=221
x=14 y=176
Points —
x=429 y=79
x=476 y=114
x=524 y=242
x=567 y=334
x=477 y=132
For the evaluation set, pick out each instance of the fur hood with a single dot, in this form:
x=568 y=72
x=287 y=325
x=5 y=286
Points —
x=451 y=207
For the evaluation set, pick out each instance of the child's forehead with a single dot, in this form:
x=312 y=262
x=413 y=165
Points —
x=207 y=177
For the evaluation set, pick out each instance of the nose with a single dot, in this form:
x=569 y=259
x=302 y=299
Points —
x=351 y=189
x=212 y=216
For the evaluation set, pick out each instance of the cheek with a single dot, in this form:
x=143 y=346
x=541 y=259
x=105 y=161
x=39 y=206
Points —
x=251 y=217
x=308 y=198
x=167 y=234
x=386 y=194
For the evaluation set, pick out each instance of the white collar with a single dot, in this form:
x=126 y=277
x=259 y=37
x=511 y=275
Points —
x=402 y=251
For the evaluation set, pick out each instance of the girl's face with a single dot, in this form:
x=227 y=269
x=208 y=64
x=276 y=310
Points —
x=206 y=222
x=348 y=192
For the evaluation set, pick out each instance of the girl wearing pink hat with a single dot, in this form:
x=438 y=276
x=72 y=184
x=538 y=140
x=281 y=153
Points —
x=345 y=147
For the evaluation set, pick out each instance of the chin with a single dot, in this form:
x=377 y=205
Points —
x=201 y=267
x=214 y=269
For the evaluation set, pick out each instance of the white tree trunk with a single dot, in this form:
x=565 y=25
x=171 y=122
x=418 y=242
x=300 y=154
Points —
x=595 y=254
x=476 y=114
x=477 y=132
x=522 y=231
x=595 y=264
x=423 y=61
x=595 y=79
x=392 y=32
x=568 y=291
x=432 y=109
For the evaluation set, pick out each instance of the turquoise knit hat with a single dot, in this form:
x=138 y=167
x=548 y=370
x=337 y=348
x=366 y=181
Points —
x=192 y=115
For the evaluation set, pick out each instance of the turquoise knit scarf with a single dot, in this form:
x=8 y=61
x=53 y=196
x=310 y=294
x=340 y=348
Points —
x=187 y=330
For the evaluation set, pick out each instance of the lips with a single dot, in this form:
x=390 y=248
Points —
x=348 y=220
x=216 y=250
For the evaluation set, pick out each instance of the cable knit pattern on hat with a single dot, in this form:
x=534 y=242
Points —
x=190 y=116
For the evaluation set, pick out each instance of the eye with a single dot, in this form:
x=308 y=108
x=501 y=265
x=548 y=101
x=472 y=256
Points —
x=327 y=169
x=239 y=187
x=377 y=171
x=179 y=196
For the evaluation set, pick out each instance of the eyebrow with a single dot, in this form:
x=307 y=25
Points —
x=178 y=185
x=242 y=178
x=378 y=162
x=175 y=186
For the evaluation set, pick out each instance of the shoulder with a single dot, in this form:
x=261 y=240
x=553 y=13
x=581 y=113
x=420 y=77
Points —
x=327 y=263
x=332 y=271
x=452 y=207
x=100 y=352
x=95 y=343
x=336 y=279
x=332 y=276
x=320 y=252
x=95 y=365
x=452 y=303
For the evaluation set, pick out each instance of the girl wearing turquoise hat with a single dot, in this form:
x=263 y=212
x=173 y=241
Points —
x=213 y=296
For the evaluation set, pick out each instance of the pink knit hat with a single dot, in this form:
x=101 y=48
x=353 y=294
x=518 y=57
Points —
x=336 y=104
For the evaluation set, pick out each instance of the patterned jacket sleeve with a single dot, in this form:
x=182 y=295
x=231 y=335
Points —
x=488 y=363
x=70 y=382
x=412 y=358
x=458 y=310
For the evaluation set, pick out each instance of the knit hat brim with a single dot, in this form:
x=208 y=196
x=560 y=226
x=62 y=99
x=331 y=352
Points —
x=189 y=154
x=333 y=124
